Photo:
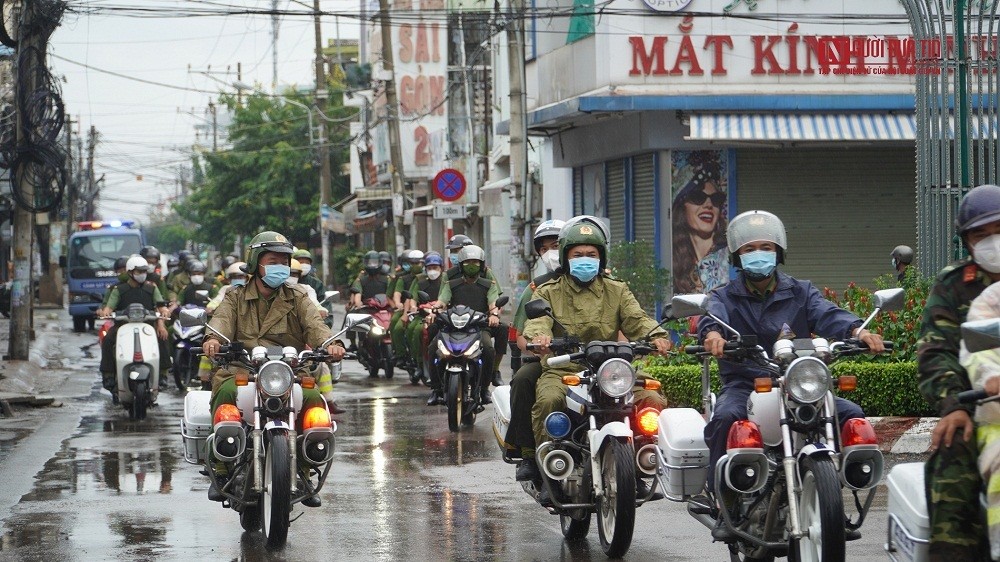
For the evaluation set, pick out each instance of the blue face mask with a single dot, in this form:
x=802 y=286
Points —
x=584 y=269
x=453 y=258
x=759 y=264
x=275 y=275
x=238 y=282
x=406 y=267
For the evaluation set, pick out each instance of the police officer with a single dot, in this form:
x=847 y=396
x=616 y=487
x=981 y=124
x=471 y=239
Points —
x=181 y=279
x=520 y=439
x=135 y=290
x=902 y=257
x=370 y=282
x=385 y=261
x=182 y=258
x=309 y=276
x=456 y=243
x=592 y=306
x=267 y=312
x=953 y=484
x=412 y=265
x=122 y=276
x=196 y=271
x=480 y=294
x=770 y=305
x=428 y=282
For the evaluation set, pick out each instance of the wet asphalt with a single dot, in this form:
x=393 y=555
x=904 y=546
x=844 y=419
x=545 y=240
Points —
x=80 y=481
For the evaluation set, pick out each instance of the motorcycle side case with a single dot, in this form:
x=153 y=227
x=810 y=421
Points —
x=763 y=408
x=682 y=452
x=501 y=414
x=196 y=425
x=909 y=524
x=245 y=398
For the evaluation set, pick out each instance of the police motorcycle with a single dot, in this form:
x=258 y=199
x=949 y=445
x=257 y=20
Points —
x=257 y=438
x=374 y=340
x=785 y=466
x=908 y=534
x=137 y=359
x=187 y=335
x=459 y=360
x=601 y=447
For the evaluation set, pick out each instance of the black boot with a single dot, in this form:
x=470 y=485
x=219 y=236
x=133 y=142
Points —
x=215 y=490
x=311 y=501
x=497 y=379
x=484 y=395
x=435 y=398
x=335 y=409
x=527 y=471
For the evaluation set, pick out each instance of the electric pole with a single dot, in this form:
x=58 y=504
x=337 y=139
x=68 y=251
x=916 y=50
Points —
x=518 y=143
x=22 y=294
x=392 y=120
x=324 y=150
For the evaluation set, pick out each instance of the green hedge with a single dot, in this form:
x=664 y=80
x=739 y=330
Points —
x=884 y=389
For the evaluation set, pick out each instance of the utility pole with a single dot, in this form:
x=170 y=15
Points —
x=91 y=184
x=324 y=150
x=392 y=119
x=215 y=127
x=22 y=295
x=518 y=143
x=274 y=46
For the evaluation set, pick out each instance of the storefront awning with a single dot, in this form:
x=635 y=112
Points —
x=802 y=127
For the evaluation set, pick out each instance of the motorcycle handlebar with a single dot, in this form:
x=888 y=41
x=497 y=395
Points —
x=696 y=349
x=563 y=360
x=972 y=396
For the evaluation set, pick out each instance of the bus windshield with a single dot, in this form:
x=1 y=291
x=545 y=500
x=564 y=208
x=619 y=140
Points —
x=100 y=252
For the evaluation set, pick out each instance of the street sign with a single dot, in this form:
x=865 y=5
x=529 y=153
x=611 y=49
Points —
x=449 y=211
x=449 y=185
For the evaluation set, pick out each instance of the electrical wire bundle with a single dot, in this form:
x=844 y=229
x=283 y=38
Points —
x=36 y=160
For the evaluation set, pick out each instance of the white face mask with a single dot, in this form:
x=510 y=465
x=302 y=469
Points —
x=292 y=281
x=140 y=278
x=550 y=260
x=306 y=268
x=986 y=252
x=433 y=274
x=197 y=279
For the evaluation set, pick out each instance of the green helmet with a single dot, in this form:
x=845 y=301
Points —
x=588 y=231
x=267 y=241
x=303 y=253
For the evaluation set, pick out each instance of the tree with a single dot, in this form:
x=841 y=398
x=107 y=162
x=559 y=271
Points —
x=268 y=180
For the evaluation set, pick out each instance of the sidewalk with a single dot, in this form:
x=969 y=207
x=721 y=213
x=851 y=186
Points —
x=901 y=435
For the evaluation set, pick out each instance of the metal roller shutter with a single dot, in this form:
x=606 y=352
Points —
x=844 y=209
x=577 y=191
x=615 y=174
x=644 y=195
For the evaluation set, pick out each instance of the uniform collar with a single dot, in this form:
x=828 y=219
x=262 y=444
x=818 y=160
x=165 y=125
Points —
x=779 y=281
x=251 y=292
x=596 y=286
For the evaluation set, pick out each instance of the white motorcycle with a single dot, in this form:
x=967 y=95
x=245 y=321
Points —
x=137 y=359
x=789 y=462
x=601 y=447
x=909 y=531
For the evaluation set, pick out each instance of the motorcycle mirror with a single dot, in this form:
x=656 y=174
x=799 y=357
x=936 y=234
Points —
x=502 y=301
x=537 y=308
x=406 y=295
x=330 y=295
x=980 y=335
x=201 y=293
x=191 y=317
x=683 y=306
x=362 y=321
x=890 y=299
x=218 y=333
x=667 y=314
x=423 y=297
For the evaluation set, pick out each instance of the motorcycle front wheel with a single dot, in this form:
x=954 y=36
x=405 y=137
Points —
x=389 y=363
x=180 y=367
x=616 y=509
x=275 y=500
x=821 y=513
x=454 y=399
x=139 y=401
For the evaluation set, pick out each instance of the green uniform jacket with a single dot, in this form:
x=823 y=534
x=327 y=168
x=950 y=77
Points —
x=177 y=283
x=593 y=313
x=526 y=295
x=114 y=295
x=444 y=295
x=941 y=377
x=291 y=320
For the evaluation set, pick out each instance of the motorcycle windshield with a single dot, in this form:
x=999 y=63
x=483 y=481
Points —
x=458 y=342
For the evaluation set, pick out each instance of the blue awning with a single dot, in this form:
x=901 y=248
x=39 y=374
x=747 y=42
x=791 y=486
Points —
x=802 y=127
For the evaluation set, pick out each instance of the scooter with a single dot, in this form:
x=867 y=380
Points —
x=374 y=339
x=137 y=360
x=187 y=335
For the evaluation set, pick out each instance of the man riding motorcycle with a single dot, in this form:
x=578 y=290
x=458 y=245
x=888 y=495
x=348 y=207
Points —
x=135 y=290
x=370 y=282
x=266 y=312
x=197 y=270
x=592 y=306
x=310 y=275
x=522 y=387
x=479 y=294
x=412 y=264
x=428 y=282
x=770 y=305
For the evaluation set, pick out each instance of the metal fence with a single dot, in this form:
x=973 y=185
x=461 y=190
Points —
x=955 y=53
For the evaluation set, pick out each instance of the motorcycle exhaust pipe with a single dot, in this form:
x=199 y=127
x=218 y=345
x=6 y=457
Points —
x=228 y=441
x=746 y=471
x=557 y=464
x=862 y=467
x=645 y=459
x=317 y=445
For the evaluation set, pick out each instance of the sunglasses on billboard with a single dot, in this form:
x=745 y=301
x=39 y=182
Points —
x=699 y=197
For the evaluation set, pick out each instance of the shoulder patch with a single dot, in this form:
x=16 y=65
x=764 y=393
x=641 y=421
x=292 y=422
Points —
x=970 y=273
x=956 y=268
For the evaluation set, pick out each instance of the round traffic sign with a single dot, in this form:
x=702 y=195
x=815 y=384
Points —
x=449 y=184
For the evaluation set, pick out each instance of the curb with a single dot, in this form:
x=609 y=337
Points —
x=903 y=435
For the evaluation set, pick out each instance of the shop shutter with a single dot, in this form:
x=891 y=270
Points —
x=844 y=209
x=615 y=170
x=644 y=197
x=577 y=191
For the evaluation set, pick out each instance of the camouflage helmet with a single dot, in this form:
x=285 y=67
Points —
x=267 y=241
x=586 y=230
x=302 y=254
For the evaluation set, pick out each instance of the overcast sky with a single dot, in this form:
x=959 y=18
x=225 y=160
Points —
x=146 y=129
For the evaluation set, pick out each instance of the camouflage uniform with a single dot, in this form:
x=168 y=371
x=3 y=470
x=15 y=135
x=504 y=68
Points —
x=953 y=484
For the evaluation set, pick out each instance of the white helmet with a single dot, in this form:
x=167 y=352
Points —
x=236 y=269
x=137 y=262
x=546 y=229
x=756 y=226
x=471 y=252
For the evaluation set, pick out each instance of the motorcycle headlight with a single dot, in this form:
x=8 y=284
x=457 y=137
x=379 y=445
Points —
x=473 y=349
x=275 y=378
x=443 y=349
x=616 y=377
x=136 y=313
x=460 y=320
x=377 y=331
x=807 y=380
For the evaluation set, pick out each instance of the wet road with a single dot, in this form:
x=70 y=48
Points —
x=402 y=488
